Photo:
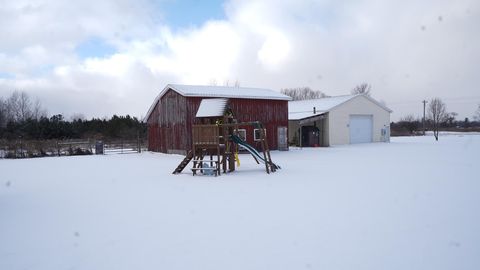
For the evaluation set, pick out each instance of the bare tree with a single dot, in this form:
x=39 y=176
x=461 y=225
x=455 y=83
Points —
x=450 y=118
x=19 y=107
x=408 y=118
x=3 y=113
x=25 y=107
x=11 y=106
x=38 y=111
x=437 y=112
x=363 y=89
x=228 y=83
x=476 y=116
x=303 y=93
x=410 y=123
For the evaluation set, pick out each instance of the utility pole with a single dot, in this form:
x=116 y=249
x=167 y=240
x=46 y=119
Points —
x=423 y=122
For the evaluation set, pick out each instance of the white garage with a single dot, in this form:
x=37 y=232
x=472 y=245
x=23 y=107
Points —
x=338 y=120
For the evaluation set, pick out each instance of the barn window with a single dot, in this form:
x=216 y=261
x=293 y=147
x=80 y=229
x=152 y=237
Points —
x=256 y=134
x=242 y=133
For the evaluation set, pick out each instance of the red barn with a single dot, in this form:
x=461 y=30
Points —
x=172 y=114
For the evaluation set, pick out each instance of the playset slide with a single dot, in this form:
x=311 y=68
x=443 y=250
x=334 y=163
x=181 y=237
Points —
x=251 y=149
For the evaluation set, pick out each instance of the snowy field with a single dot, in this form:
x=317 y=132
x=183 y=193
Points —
x=410 y=204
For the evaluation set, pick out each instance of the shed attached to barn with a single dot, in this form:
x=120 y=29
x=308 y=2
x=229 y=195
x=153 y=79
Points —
x=338 y=120
x=175 y=110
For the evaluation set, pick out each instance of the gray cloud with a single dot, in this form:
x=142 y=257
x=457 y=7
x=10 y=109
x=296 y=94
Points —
x=407 y=50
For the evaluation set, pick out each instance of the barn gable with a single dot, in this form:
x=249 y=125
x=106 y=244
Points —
x=218 y=92
x=174 y=111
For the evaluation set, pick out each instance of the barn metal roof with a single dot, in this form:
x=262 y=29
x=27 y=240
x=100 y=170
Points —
x=304 y=108
x=212 y=107
x=226 y=92
x=219 y=92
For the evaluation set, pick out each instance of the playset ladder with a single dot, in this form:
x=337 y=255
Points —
x=199 y=163
x=184 y=162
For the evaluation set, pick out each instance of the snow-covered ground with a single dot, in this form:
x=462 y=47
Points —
x=410 y=204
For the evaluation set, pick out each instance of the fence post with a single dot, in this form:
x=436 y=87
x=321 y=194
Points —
x=138 y=142
x=21 y=148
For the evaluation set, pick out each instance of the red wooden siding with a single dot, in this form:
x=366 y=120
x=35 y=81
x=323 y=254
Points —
x=272 y=113
x=170 y=123
x=167 y=124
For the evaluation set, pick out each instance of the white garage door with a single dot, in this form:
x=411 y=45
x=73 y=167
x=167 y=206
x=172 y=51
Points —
x=361 y=128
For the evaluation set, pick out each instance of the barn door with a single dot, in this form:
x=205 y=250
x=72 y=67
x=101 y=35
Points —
x=282 y=138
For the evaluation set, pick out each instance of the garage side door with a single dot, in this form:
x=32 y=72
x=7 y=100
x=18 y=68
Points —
x=361 y=128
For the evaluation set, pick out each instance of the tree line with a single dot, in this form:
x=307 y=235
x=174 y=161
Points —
x=437 y=118
x=22 y=118
x=304 y=93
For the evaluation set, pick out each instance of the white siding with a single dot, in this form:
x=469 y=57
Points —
x=339 y=118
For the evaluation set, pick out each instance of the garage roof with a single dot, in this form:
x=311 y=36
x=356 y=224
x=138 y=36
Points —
x=304 y=108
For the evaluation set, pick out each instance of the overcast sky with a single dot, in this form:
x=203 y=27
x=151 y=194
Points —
x=100 y=58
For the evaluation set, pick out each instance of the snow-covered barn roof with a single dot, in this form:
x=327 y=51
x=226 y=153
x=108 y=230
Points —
x=219 y=92
x=304 y=108
x=212 y=107
x=226 y=92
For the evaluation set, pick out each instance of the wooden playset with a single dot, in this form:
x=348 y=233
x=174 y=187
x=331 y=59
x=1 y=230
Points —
x=215 y=146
